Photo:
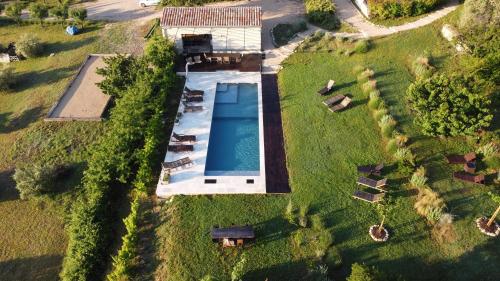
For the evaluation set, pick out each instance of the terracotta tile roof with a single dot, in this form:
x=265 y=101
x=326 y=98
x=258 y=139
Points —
x=211 y=16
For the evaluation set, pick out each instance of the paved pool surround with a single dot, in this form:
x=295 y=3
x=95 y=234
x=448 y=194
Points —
x=192 y=180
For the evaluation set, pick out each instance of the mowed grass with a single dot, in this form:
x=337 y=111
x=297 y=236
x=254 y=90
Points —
x=33 y=238
x=323 y=150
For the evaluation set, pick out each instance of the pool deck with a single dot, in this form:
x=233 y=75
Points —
x=191 y=180
x=276 y=171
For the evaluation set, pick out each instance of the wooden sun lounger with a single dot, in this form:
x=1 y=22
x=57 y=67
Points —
x=461 y=159
x=333 y=100
x=375 y=184
x=190 y=94
x=192 y=108
x=343 y=104
x=368 y=197
x=193 y=99
x=193 y=92
x=371 y=169
x=180 y=147
x=183 y=162
x=327 y=88
x=479 y=179
x=183 y=138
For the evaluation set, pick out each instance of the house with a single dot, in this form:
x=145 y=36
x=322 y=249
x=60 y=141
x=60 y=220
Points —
x=198 y=30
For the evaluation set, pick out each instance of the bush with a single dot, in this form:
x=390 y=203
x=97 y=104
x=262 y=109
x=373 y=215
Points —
x=38 y=11
x=449 y=106
x=368 y=86
x=385 y=9
x=373 y=103
x=79 y=15
x=405 y=156
x=380 y=112
x=289 y=212
x=480 y=13
x=60 y=12
x=365 y=75
x=303 y=211
x=488 y=150
x=7 y=78
x=418 y=179
x=362 y=46
x=14 y=11
x=29 y=46
x=322 y=14
x=391 y=146
x=333 y=258
x=119 y=74
x=34 y=179
x=360 y=272
x=317 y=223
x=422 y=68
x=427 y=201
x=284 y=32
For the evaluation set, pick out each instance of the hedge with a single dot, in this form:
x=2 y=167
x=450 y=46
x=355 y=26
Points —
x=385 y=9
x=113 y=161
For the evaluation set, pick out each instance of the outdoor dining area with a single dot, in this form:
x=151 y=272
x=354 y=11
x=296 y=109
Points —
x=210 y=62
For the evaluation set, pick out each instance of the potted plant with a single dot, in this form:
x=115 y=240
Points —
x=489 y=226
x=378 y=232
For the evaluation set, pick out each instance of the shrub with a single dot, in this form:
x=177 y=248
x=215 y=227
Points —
x=422 y=69
x=303 y=210
x=38 y=11
x=385 y=9
x=325 y=240
x=480 y=13
x=443 y=230
x=405 y=156
x=34 y=179
x=14 y=11
x=299 y=238
x=428 y=201
x=61 y=12
x=369 y=86
x=322 y=13
x=373 y=103
x=360 y=272
x=449 y=106
x=2 y=7
x=488 y=150
x=418 y=179
x=119 y=74
x=387 y=124
x=7 y=78
x=365 y=75
x=362 y=46
x=391 y=146
x=317 y=223
x=333 y=258
x=289 y=212
x=380 y=112
x=239 y=269
x=29 y=46
x=79 y=15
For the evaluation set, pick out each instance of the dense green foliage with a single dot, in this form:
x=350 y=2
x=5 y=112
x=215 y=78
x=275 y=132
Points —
x=385 y=9
x=29 y=46
x=112 y=164
x=38 y=11
x=79 y=15
x=449 y=106
x=14 y=10
x=360 y=272
x=322 y=13
x=33 y=180
x=61 y=12
x=120 y=72
x=283 y=32
x=480 y=13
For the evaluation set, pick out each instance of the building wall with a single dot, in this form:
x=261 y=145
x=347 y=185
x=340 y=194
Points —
x=233 y=39
x=363 y=7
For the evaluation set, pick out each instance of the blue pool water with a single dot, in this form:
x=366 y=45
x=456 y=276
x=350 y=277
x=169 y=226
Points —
x=233 y=148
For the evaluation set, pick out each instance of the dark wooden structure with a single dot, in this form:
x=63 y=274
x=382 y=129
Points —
x=461 y=159
x=243 y=63
x=478 y=179
x=233 y=236
x=196 y=43
x=180 y=147
x=368 y=197
x=183 y=138
x=274 y=144
x=371 y=169
x=183 y=162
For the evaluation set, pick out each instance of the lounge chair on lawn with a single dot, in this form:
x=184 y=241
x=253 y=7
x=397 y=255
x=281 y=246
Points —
x=333 y=100
x=183 y=138
x=343 y=104
x=461 y=159
x=479 y=179
x=183 y=162
x=368 y=197
x=371 y=169
x=193 y=99
x=193 y=92
x=327 y=88
x=375 y=184
x=180 y=147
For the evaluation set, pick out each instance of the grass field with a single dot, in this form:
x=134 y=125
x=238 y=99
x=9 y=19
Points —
x=33 y=239
x=323 y=150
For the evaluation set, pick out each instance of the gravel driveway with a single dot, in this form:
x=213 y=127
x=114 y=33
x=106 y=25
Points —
x=119 y=10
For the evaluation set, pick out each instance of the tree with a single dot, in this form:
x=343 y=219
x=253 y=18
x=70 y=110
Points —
x=38 y=11
x=29 y=46
x=120 y=72
x=60 y=11
x=383 y=210
x=160 y=52
x=239 y=269
x=33 y=180
x=480 y=13
x=449 y=105
x=496 y=199
x=361 y=272
x=14 y=11
x=79 y=15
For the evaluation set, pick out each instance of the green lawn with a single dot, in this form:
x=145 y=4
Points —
x=33 y=238
x=323 y=150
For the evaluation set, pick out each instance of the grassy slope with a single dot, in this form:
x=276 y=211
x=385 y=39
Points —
x=33 y=238
x=323 y=150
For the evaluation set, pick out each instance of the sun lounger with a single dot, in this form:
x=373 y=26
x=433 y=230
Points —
x=343 y=104
x=189 y=60
x=183 y=138
x=461 y=159
x=368 y=197
x=375 y=184
x=479 y=179
x=183 y=162
x=193 y=92
x=192 y=108
x=327 y=88
x=371 y=169
x=225 y=60
x=193 y=99
x=180 y=147
x=197 y=59
x=333 y=100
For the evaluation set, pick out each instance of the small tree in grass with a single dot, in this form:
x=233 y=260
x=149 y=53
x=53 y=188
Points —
x=61 y=11
x=29 y=46
x=378 y=232
x=496 y=199
x=34 y=179
x=361 y=272
x=38 y=11
x=79 y=15
x=14 y=11
x=239 y=269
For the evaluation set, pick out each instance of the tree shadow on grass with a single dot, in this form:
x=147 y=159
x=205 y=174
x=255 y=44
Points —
x=22 y=121
x=8 y=190
x=64 y=46
x=31 y=79
x=45 y=267
x=291 y=271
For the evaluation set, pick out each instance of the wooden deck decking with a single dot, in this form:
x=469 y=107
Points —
x=249 y=63
x=276 y=171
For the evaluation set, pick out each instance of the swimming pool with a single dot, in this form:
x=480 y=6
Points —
x=233 y=148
